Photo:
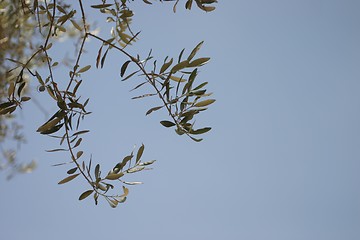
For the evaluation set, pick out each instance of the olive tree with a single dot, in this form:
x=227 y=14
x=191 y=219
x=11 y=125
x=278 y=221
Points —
x=28 y=32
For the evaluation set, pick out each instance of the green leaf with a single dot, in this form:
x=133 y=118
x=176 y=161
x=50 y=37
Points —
x=11 y=89
x=196 y=139
x=147 y=163
x=78 y=154
x=132 y=183
x=7 y=110
x=57 y=150
x=130 y=75
x=77 y=143
x=49 y=125
x=77 y=86
x=179 y=66
x=49 y=46
x=74 y=23
x=39 y=79
x=195 y=50
x=53 y=129
x=153 y=109
x=84 y=69
x=201 y=130
x=188 y=4
x=177 y=79
x=114 y=176
x=112 y=203
x=204 y=103
x=101 y=6
x=21 y=87
x=24 y=99
x=135 y=169
x=72 y=171
x=167 y=123
x=104 y=57
x=144 y=95
x=140 y=153
x=98 y=57
x=80 y=132
x=123 y=68
x=166 y=65
x=69 y=178
x=200 y=86
x=199 y=62
x=97 y=171
x=126 y=192
x=6 y=105
x=86 y=194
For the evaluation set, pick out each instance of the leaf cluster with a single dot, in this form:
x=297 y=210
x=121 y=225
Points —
x=173 y=82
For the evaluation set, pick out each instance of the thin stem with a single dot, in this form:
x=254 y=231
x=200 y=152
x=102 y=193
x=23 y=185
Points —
x=51 y=24
x=141 y=67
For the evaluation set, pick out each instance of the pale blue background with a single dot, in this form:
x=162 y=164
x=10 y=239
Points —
x=281 y=163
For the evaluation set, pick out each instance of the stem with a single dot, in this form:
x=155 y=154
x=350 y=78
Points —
x=148 y=78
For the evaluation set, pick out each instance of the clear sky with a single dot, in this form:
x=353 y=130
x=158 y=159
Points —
x=281 y=163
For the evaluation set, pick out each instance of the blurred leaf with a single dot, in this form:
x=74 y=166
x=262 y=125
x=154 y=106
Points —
x=6 y=105
x=84 y=69
x=76 y=25
x=85 y=194
x=21 y=87
x=188 y=4
x=11 y=89
x=68 y=179
x=24 y=99
x=7 y=110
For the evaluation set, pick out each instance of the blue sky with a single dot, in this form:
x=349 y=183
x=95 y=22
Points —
x=282 y=161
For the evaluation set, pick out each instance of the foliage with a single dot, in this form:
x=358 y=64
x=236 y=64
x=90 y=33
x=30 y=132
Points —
x=172 y=81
